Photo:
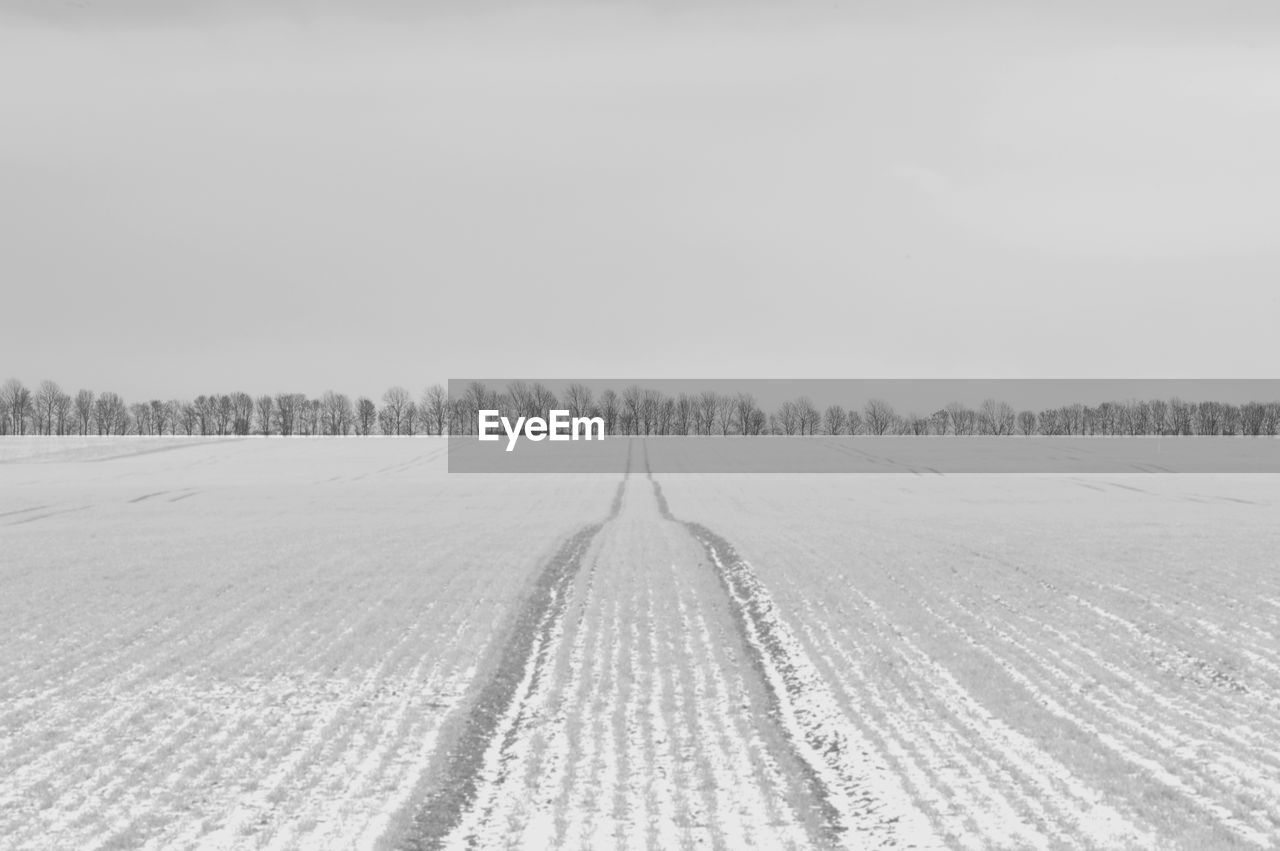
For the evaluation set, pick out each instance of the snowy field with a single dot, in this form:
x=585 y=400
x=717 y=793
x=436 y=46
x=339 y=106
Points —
x=332 y=643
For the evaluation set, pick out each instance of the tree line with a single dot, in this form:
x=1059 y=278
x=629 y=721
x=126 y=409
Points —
x=636 y=410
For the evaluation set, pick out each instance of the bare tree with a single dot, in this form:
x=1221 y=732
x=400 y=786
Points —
x=683 y=418
x=409 y=425
x=1106 y=419
x=241 y=413
x=366 y=416
x=854 y=422
x=787 y=418
x=102 y=415
x=161 y=416
x=204 y=413
x=963 y=420
x=40 y=423
x=708 y=402
x=479 y=397
x=833 y=419
x=724 y=413
x=47 y=400
x=607 y=406
x=1271 y=419
x=577 y=399
x=1138 y=417
x=1252 y=416
x=265 y=409
x=666 y=415
x=62 y=417
x=1208 y=418
x=458 y=416
x=996 y=418
x=646 y=411
x=84 y=410
x=807 y=415
x=632 y=400
x=188 y=418
x=309 y=417
x=304 y=424
x=222 y=412
x=1160 y=416
x=879 y=416
x=1180 y=417
x=336 y=413
x=49 y=407
x=288 y=407
x=110 y=415
x=1027 y=423
x=1230 y=419
x=395 y=410
x=744 y=405
x=435 y=409
x=386 y=422
x=543 y=400
x=17 y=400
x=519 y=400
x=524 y=400
x=1072 y=419
x=141 y=412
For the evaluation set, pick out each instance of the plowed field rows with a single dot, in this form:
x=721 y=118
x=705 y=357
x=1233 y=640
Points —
x=335 y=644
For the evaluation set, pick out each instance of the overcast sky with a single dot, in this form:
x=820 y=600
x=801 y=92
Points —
x=318 y=197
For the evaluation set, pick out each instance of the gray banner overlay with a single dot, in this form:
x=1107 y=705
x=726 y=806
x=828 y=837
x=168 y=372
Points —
x=925 y=426
x=918 y=455
x=915 y=395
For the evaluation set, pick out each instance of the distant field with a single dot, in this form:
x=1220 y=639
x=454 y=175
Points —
x=332 y=643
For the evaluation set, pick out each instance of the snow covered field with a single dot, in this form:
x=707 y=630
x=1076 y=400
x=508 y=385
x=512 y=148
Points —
x=244 y=643
x=332 y=643
x=1044 y=661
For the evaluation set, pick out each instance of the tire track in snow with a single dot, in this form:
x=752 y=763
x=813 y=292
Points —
x=147 y=496
x=458 y=805
x=751 y=802
x=863 y=804
x=23 y=510
x=47 y=514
